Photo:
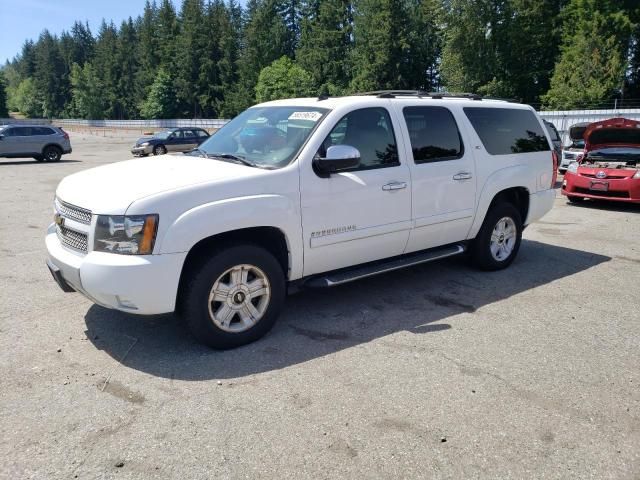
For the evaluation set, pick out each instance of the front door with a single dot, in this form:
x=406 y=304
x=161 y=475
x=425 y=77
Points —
x=363 y=214
x=443 y=176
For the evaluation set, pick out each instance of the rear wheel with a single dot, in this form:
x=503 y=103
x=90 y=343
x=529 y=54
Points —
x=52 y=153
x=159 y=150
x=498 y=240
x=573 y=199
x=234 y=297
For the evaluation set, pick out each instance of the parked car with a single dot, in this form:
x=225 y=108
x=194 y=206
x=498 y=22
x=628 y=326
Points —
x=609 y=168
x=571 y=152
x=42 y=142
x=302 y=193
x=555 y=137
x=173 y=140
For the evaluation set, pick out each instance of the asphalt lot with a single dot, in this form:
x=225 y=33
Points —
x=439 y=371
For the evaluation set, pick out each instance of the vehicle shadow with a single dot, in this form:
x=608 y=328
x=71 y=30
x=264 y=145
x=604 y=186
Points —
x=33 y=162
x=420 y=300
x=610 y=205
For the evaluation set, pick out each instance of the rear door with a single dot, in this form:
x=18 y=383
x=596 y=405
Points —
x=175 y=141
x=189 y=141
x=442 y=173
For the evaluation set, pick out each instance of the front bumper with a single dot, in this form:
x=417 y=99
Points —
x=619 y=189
x=140 y=150
x=141 y=284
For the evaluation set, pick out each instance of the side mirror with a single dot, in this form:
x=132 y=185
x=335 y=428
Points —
x=338 y=159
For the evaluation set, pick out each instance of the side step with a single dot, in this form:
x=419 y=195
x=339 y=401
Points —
x=367 y=270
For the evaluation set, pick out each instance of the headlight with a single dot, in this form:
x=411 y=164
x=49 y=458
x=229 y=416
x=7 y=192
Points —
x=637 y=175
x=144 y=144
x=130 y=235
x=573 y=167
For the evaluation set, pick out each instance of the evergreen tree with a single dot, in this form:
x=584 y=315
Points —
x=381 y=45
x=49 y=75
x=593 y=56
x=128 y=65
x=161 y=101
x=86 y=88
x=325 y=43
x=4 y=112
x=107 y=68
x=147 y=51
x=167 y=31
x=191 y=52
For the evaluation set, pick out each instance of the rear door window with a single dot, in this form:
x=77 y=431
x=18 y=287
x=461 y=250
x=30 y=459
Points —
x=506 y=131
x=433 y=133
x=42 y=131
x=22 y=131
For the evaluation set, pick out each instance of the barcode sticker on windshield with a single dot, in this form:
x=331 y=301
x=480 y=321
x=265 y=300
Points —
x=311 y=116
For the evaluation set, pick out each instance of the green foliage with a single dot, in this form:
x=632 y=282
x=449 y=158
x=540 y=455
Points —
x=594 y=52
x=27 y=99
x=283 y=79
x=86 y=88
x=4 y=112
x=162 y=100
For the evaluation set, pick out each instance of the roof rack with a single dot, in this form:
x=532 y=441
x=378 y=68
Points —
x=420 y=94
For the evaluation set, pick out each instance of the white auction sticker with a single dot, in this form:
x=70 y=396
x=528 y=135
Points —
x=311 y=116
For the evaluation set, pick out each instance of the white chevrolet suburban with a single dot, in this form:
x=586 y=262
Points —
x=310 y=192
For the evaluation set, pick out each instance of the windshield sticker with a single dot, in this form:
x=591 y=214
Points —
x=311 y=116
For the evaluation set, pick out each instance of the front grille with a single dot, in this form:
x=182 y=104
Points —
x=78 y=214
x=72 y=239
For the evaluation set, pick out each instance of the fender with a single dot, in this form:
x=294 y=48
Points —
x=237 y=213
x=510 y=177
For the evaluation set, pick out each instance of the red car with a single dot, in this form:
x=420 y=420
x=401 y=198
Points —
x=609 y=168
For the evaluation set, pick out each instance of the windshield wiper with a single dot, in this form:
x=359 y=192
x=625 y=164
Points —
x=202 y=153
x=236 y=159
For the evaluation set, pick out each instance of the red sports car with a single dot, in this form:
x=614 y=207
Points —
x=609 y=168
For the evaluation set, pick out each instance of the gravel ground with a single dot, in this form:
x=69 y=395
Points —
x=439 y=371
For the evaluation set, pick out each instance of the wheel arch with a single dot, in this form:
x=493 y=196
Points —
x=51 y=144
x=272 y=239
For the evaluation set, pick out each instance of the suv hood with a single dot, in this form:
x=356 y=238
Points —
x=110 y=189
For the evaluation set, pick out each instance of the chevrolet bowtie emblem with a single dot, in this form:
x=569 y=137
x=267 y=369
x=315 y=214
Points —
x=58 y=219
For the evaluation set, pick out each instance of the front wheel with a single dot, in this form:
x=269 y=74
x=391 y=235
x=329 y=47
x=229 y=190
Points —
x=498 y=241
x=159 y=150
x=234 y=297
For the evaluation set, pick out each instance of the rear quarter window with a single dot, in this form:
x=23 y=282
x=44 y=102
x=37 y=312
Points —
x=505 y=131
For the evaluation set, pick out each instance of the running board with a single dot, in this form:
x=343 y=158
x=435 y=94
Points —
x=356 y=273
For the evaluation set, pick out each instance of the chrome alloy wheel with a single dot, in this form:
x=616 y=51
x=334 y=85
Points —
x=239 y=298
x=503 y=239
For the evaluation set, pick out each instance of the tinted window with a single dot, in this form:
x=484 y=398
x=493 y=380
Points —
x=370 y=131
x=505 y=130
x=202 y=133
x=188 y=133
x=553 y=133
x=8 y=132
x=23 y=131
x=41 y=131
x=434 y=134
x=176 y=134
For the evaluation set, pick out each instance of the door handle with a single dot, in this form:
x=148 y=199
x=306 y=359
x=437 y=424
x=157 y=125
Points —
x=394 y=186
x=462 y=176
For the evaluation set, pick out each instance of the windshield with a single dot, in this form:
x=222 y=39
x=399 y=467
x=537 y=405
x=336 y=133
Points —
x=267 y=137
x=615 y=153
x=163 y=135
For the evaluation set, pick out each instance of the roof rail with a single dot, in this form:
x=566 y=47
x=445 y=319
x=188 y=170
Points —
x=420 y=94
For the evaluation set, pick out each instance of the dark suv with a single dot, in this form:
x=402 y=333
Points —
x=173 y=140
x=42 y=142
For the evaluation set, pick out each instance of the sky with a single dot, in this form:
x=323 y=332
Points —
x=24 y=19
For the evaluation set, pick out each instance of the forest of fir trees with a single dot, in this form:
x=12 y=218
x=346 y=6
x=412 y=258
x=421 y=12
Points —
x=214 y=58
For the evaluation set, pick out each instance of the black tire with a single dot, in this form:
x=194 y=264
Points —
x=159 y=150
x=481 y=254
x=52 y=153
x=194 y=298
x=574 y=199
x=38 y=158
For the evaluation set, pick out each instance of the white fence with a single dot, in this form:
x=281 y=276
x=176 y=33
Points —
x=213 y=124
